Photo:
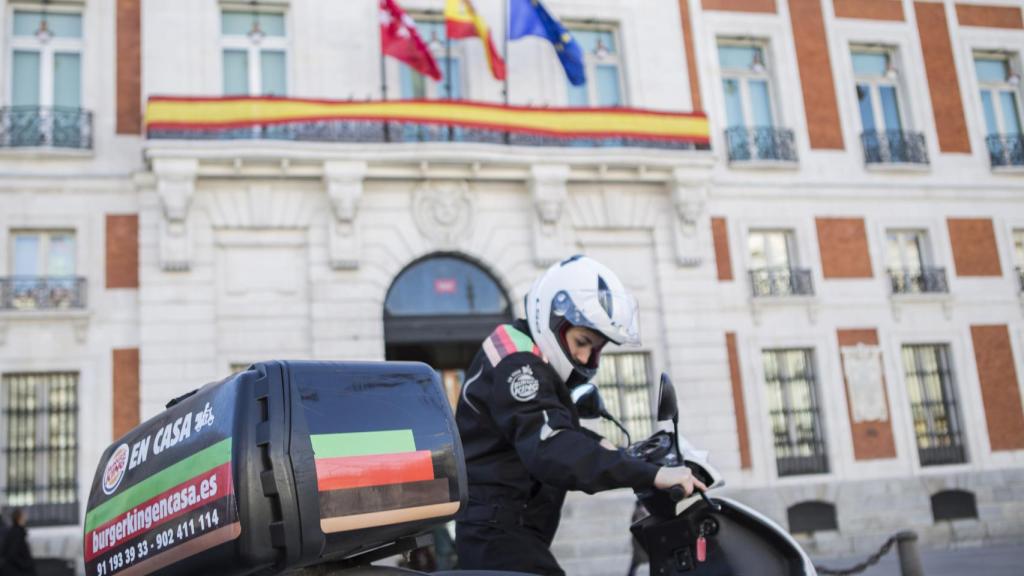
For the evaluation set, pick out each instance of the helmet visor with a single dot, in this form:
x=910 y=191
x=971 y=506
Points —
x=614 y=315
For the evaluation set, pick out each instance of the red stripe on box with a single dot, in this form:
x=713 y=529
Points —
x=375 y=470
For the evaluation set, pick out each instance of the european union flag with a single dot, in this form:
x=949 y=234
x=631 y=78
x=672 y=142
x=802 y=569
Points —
x=531 y=18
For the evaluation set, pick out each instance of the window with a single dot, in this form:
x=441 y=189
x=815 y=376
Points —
x=41 y=445
x=793 y=410
x=43 y=271
x=46 y=61
x=46 y=81
x=773 y=264
x=624 y=381
x=812 y=516
x=254 y=53
x=933 y=404
x=1000 y=101
x=449 y=57
x=954 y=505
x=908 y=259
x=884 y=136
x=601 y=61
x=749 y=114
x=746 y=85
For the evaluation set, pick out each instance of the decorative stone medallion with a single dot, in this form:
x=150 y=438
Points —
x=443 y=212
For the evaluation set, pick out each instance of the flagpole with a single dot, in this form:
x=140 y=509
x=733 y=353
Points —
x=508 y=24
x=384 y=86
x=448 y=72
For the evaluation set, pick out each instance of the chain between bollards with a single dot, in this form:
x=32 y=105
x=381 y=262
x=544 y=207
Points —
x=910 y=561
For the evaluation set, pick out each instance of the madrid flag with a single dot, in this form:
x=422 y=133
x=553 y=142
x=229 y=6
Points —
x=399 y=39
x=463 y=21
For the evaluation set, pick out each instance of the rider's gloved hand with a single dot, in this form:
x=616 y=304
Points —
x=677 y=476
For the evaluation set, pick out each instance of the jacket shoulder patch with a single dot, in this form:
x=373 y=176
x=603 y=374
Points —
x=523 y=385
x=506 y=340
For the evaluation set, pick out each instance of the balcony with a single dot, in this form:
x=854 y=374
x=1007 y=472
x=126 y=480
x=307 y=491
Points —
x=42 y=293
x=781 y=282
x=39 y=127
x=760 y=144
x=892 y=148
x=1006 y=150
x=397 y=121
x=914 y=281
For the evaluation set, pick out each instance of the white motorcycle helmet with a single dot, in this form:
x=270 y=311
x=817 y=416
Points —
x=579 y=291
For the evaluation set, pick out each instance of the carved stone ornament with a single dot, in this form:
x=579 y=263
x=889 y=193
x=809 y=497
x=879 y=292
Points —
x=689 y=198
x=443 y=212
x=549 y=191
x=344 y=184
x=175 y=184
x=862 y=366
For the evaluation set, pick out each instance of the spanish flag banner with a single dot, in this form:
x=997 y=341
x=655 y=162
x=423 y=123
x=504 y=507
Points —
x=463 y=21
x=178 y=117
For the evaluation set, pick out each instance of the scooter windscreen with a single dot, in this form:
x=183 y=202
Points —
x=283 y=465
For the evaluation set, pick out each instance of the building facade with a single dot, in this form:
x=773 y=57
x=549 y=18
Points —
x=830 y=269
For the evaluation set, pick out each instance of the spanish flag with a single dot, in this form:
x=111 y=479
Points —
x=463 y=21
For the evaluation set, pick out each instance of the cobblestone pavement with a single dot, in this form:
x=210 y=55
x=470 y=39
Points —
x=996 y=560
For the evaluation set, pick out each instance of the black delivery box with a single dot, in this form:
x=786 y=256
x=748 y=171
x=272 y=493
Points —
x=286 y=464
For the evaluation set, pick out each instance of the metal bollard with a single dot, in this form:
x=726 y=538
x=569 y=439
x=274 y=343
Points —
x=910 y=560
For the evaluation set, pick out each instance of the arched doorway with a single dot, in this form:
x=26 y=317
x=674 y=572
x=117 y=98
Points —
x=438 y=311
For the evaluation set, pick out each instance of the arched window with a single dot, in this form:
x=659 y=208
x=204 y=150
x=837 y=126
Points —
x=812 y=516
x=443 y=298
x=953 y=505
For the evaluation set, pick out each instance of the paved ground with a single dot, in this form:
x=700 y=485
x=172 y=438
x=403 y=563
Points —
x=1005 y=560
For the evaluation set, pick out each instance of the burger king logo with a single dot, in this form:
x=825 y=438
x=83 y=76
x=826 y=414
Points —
x=116 y=467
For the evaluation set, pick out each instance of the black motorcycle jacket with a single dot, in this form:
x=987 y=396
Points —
x=520 y=431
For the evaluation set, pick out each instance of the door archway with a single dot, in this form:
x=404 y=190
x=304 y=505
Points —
x=438 y=310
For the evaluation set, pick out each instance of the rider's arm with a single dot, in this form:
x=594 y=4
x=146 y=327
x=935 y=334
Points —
x=526 y=408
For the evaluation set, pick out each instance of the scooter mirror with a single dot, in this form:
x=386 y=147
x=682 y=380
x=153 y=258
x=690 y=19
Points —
x=668 y=408
x=588 y=401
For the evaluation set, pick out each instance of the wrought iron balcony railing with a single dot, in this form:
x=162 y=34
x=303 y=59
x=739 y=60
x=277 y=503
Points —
x=894 y=147
x=1006 y=149
x=261 y=118
x=752 y=144
x=781 y=282
x=918 y=281
x=42 y=292
x=37 y=126
x=938 y=439
x=1020 y=280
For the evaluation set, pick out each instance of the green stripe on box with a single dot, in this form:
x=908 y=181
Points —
x=175 y=474
x=362 y=443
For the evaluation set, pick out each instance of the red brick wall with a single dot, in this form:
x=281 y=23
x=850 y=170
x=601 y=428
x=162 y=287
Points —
x=872 y=440
x=989 y=16
x=1000 y=391
x=720 y=235
x=122 y=251
x=739 y=405
x=974 y=247
x=947 y=105
x=126 y=390
x=869 y=9
x=819 y=90
x=740 y=5
x=691 y=55
x=843 y=244
x=129 y=67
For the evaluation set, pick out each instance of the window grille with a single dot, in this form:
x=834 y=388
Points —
x=625 y=384
x=41 y=446
x=933 y=404
x=793 y=410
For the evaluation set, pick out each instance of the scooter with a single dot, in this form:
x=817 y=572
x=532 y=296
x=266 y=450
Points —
x=698 y=535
